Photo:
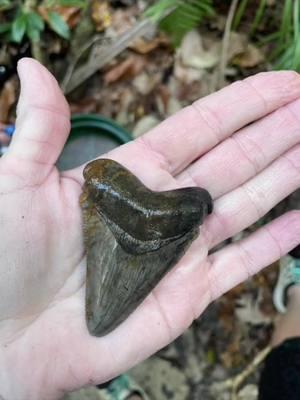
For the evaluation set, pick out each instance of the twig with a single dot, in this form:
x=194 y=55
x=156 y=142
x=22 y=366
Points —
x=104 y=55
x=64 y=83
x=225 y=43
x=235 y=382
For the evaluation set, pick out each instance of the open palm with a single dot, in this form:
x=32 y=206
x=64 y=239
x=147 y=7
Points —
x=241 y=144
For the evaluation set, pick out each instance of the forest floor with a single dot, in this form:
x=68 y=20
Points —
x=143 y=85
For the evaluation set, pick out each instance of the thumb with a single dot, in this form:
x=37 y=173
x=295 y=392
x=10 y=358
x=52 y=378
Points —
x=42 y=125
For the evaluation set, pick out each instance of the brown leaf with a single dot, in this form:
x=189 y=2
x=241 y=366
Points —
x=43 y=11
x=249 y=311
x=143 y=46
x=237 y=45
x=86 y=105
x=125 y=70
x=55 y=46
x=122 y=20
x=144 y=125
x=101 y=15
x=7 y=99
x=145 y=83
x=70 y=15
x=250 y=58
x=233 y=356
x=192 y=53
x=248 y=392
x=164 y=94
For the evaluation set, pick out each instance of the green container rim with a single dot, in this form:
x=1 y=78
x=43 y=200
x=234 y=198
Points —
x=99 y=125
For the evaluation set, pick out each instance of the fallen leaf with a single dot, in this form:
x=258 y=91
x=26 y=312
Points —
x=233 y=356
x=122 y=20
x=55 y=46
x=250 y=58
x=7 y=99
x=144 y=125
x=248 y=392
x=248 y=310
x=192 y=53
x=101 y=15
x=144 y=83
x=71 y=15
x=193 y=60
x=237 y=45
x=187 y=74
x=174 y=106
x=125 y=70
x=158 y=377
x=163 y=97
x=143 y=46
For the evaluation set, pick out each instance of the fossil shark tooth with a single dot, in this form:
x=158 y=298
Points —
x=133 y=237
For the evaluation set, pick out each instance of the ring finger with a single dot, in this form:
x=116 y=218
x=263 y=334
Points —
x=243 y=206
x=246 y=153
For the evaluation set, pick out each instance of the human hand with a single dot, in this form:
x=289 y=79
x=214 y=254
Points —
x=241 y=144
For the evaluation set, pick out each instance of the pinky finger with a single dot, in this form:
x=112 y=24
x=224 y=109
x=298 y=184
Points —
x=239 y=261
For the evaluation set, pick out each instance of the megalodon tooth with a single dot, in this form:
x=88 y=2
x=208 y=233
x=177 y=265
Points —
x=133 y=237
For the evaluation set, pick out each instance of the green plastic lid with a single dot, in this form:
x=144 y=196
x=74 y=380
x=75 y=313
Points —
x=91 y=135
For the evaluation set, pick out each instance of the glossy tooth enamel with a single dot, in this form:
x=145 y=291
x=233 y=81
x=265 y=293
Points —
x=133 y=237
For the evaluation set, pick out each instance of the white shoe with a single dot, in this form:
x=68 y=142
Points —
x=289 y=275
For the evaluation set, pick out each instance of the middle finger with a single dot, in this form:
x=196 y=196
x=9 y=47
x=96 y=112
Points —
x=246 y=153
x=240 y=208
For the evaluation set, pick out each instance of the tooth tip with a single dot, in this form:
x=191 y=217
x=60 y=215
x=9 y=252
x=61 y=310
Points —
x=96 y=330
x=100 y=325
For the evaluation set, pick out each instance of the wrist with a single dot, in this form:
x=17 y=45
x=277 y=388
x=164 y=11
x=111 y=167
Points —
x=8 y=383
x=17 y=377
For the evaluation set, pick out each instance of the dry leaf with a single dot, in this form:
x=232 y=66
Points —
x=122 y=20
x=125 y=70
x=250 y=58
x=7 y=99
x=163 y=97
x=55 y=46
x=186 y=74
x=145 y=83
x=143 y=46
x=237 y=45
x=144 y=125
x=233 y=356
x=248 y=392
x=193 y=61
x=101 y=15
x=70 y=15
x=248 y=310
x=193 y=54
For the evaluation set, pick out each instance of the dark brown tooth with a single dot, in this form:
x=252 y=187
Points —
x=133 y=237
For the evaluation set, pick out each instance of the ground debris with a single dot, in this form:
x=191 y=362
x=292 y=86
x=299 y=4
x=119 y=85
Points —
x=144 y=84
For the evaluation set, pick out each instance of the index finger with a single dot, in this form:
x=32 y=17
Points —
x=196 y=129
x=182 y=138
